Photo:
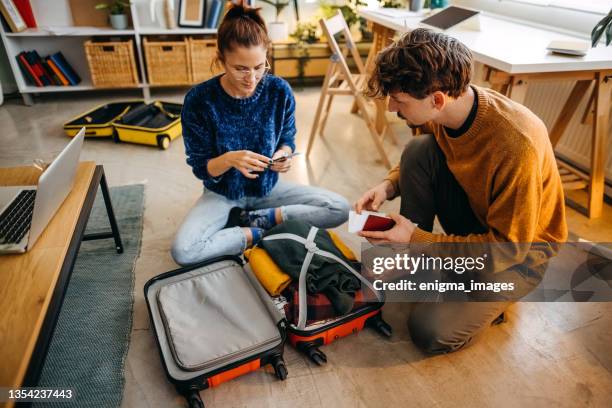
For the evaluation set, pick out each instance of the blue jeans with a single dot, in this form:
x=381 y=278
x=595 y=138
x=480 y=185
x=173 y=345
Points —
x=203 y=236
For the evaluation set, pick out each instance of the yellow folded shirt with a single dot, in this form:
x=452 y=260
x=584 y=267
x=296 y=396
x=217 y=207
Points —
x=271 y=277
x=346 y=251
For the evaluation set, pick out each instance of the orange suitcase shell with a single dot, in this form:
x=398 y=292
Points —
x=309 y=340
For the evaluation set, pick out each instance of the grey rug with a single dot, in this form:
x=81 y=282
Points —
x=89 y=347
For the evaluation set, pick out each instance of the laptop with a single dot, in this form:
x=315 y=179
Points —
x=25 y=211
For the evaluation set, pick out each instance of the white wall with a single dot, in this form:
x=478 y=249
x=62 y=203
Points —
x=307 y=11
x=52 y=12
x=577 y=22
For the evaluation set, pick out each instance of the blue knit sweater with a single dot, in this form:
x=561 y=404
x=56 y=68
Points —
x=215 y=123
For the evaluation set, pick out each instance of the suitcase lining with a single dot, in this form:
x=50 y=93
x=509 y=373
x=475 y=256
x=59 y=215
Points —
x=184 y=372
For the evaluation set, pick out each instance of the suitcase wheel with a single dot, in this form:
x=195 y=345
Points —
x=194 y=400
x=316 y=355
x=163 y=142
x=381 y=326
x=280 y=369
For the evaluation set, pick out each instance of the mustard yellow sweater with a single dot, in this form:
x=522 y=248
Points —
x=505 y=164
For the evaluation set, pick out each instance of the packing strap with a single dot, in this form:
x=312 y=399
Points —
x=313 y=250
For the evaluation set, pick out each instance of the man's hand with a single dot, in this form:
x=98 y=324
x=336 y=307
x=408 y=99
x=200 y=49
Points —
x=283 y=165
x=400 y=233
x=372 y=199
x=247 y=162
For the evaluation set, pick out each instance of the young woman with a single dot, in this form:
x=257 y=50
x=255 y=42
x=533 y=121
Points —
x=234 y=127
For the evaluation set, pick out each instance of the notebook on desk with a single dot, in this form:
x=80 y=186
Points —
x=574 y=48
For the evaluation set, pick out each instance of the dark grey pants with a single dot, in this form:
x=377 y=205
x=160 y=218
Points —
x=428 y=189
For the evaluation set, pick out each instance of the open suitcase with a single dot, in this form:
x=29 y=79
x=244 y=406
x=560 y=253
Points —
x=307 y=337
x=155 y=124
x=213 y=322
x=98 y=121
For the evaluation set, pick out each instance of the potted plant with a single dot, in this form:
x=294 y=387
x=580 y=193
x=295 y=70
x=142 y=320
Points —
x=278 y=30
x=116 y=10
x=605 y=25
x=304 y=33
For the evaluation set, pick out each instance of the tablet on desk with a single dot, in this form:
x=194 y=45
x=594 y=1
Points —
x=449 y=17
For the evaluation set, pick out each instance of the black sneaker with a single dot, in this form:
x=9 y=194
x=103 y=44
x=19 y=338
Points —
x=237 y=218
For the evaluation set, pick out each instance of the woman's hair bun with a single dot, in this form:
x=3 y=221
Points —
x=242 y=10
x=242 y=25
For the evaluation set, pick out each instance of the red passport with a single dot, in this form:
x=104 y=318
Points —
x=369 y=221
x=378 y=223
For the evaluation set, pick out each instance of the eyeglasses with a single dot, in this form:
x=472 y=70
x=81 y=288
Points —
x=243 y=72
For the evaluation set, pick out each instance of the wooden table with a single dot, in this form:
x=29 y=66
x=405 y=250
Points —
x=32 y=285
x=514 y=56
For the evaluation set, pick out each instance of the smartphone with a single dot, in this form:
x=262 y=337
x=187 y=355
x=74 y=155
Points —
x=283 y=158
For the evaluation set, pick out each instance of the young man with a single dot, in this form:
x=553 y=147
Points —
x=487 y=171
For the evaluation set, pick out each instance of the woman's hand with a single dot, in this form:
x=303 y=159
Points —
x=247 y=162
x=283 y=165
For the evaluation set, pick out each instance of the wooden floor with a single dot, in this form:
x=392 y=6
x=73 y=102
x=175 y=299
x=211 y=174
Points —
x=547 y=354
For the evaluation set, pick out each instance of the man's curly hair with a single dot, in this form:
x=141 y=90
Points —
x=420 y=63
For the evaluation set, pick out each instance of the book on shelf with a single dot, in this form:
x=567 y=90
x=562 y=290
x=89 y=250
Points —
x=52 y=70
x=48 y=76
x=62 y=78
x=37 y=68
x=214 y=13
x=50 y=73
x=60 y=61
x=29 y=74
x=25 y=9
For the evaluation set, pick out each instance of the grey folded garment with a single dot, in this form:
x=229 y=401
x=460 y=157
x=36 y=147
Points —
x=213 y=318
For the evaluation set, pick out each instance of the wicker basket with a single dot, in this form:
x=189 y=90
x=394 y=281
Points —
x=167 y=61
x=111 y=64
x=202 y=53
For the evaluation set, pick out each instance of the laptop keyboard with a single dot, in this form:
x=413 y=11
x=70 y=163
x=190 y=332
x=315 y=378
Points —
x=15 y=221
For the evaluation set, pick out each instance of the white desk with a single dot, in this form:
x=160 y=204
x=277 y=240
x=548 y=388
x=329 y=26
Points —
x=515 y=55
x=508 y=46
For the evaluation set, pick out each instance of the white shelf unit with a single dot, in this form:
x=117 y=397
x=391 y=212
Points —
x=69 y=40
x=71 y=32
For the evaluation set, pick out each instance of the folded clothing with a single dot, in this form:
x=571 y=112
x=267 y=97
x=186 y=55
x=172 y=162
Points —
x=324 y=275
x=267 y=272
x=271 y=277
